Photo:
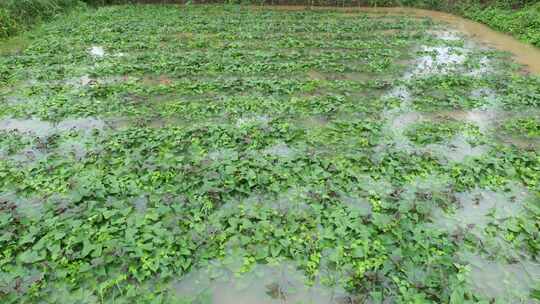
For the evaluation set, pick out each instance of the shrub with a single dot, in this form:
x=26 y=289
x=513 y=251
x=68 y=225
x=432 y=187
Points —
x=8 y=25
x=16 y=15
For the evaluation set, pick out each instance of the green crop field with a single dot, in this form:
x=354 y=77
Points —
x=228 y=154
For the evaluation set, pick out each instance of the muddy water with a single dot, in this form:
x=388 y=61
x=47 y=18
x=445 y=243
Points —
x=480 y=207
x=33 y=126
x=501 y=280
x=523 y=53
x=280 y=150
x=41 y=128
x=457 y=150
x=265 y=284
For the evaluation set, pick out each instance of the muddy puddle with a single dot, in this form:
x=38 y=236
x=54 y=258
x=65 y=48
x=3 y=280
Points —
x=249 y=121
x=500 y=273
x=502 y=281
x=280 y=150
x=460 y=146
x=478 y=208
x=457 y=150
x=39 y=128
x=31 y=208
x=313 y=122
x=31 y=126
x=87 y=80
x=521 y=142
x=71 y=138
x=291 y=200
x=484 y=119
x=263 y=284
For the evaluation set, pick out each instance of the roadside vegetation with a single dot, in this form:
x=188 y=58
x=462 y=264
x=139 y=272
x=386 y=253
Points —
x=150 y=154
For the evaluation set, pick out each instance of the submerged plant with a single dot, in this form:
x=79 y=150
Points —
x=142 y=145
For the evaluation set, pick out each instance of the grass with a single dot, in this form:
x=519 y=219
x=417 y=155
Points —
x=142 y=145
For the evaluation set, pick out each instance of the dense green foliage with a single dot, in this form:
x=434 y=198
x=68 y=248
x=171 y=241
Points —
x=17 y=15
x=141 y=143
x=520 y=18
x=526 y=127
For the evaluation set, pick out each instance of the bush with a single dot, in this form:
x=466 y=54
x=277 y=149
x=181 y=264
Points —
x=16 y=15
x=8 y=25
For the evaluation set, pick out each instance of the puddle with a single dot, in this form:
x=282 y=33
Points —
x=400 y=92
x=448 y=35
x=478 y=208
x=457 y=150
x=29 y=155
x=97 y=51
x=81 y=124
x=362 y=206
x=397 y=121
x=312 y=122
x=524 y=53
x=73 y=148
x=163 y=122
x=439 y=59
x=253 y=121
x=484 y=67
x=430 y=183
x=42 y=129
x=15 y=100
x=264 y=284
x=370 y=185
x=292 y=199
x=403 y=121
x=280 y=150
x=222 y=154
x=521 y=142
x=484 y=93
x=119 y=123
x=483 y=119
x=502 y=281
x=140 y=204
x=424 y=194
x=31 y=208
x=31 y=126
x=295 y=198
x=87 y=80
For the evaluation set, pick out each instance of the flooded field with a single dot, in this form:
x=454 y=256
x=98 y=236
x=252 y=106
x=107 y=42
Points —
x=228 y=154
